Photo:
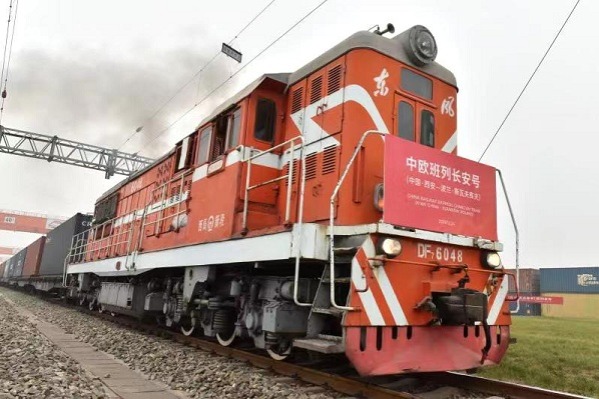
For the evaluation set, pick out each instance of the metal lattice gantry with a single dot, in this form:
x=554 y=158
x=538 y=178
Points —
x=55 y=149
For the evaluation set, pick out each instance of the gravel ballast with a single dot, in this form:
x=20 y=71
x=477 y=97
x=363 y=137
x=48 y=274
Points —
x=196 y=373
x=31 y=366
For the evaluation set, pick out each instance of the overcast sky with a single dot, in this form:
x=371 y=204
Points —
x=96 y=70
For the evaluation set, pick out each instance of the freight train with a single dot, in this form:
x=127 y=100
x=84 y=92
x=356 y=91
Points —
x=324 y=209
x=40 y=266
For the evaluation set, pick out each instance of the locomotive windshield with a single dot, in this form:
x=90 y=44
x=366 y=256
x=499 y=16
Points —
x=416 y=84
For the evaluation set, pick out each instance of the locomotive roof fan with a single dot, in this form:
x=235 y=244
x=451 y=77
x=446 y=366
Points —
x=419 y=44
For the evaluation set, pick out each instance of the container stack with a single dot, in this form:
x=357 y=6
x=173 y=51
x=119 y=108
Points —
x=577 y=286
x=528 y=286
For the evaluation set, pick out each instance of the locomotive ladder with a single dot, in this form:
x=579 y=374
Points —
x=295 y=144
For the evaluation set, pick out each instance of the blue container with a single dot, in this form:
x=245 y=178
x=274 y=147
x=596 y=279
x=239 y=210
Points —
x=7 y=268
x=17 y=263
x=526 y=309
x=570 y=279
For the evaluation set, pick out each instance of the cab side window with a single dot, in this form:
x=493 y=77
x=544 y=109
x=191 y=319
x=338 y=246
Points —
x=405 y=124
x=226 y=133
x=204 y=145
x=234 y=128
x=427 y=128
x=266 y=112
x=184 y=154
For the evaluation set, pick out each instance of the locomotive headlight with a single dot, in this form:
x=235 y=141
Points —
x=390 y=247
x=491 y=260
x=421 y=45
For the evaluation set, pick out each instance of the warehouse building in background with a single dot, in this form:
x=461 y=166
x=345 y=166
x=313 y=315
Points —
x=579 y=288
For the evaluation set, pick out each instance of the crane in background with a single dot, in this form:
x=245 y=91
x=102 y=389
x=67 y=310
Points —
x=8 y=251
x=28 y=222
x=70 y=152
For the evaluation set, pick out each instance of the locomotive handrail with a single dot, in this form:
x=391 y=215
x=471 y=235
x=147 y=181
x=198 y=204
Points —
x=517 y=234
x=517 y=297
x=112 y=240
x=180 y=181
x=332 y=217
x=106 y=245
x=289 y=176
x=296 y=241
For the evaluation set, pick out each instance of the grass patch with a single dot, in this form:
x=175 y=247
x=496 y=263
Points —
x=554 y=353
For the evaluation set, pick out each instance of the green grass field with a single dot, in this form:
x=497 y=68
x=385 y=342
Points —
x=554 y=353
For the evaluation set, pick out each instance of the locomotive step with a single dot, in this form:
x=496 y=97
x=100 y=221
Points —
x=342 y=280
x=345 y=250
x=320 y=345
x=331 y=311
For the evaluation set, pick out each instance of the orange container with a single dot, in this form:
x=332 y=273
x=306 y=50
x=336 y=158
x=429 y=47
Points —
x=31 y=267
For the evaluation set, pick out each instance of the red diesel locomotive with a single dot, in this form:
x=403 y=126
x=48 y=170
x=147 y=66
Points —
x=324 y=209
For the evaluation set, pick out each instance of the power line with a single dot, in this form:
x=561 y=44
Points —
x=5 y=63
x=251 y=22
x=233 y=75
x=529 y=80
x=6 y=39
x=202 y=68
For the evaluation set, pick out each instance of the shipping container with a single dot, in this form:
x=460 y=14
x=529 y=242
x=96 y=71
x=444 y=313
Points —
x=33 y=258
x=18 y=261
x=526 y=309
x=8 y=267
x=570 y=279
x=58 y=244
x=529 y=281
x=575 y=305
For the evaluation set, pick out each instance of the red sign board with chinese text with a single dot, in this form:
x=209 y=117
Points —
x=428 y=189
x=548 y=300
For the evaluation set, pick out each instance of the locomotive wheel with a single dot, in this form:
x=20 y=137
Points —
x=278 y=356
x=279 y=350
x=224 y=323
x=102 y=309
x=188 y=328
x=223 y=340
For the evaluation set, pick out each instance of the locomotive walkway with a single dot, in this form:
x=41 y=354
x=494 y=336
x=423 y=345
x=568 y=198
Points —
x=118 y=379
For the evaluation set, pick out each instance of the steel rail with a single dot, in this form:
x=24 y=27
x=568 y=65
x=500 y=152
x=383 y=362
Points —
x=507 y=389
x=335 y=382
x=366 y=387
x=361 y=387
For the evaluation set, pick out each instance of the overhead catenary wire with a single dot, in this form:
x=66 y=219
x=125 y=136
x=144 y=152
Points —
x=233 y=75
x=8 y=48
x=6 y=40
x=195 y=75
x=528 y=81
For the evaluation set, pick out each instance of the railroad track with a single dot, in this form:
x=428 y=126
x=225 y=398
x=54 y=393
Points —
x=337 y=375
